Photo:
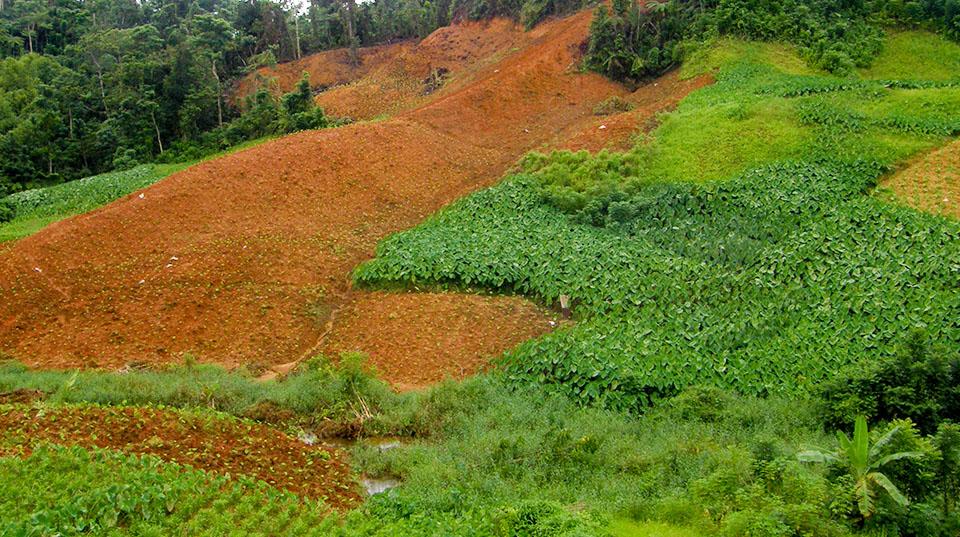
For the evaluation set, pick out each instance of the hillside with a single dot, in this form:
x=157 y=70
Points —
x=482 y=290
x=246 y=259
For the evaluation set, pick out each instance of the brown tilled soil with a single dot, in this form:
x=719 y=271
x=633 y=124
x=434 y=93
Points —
x=246 y=258
x=441 y=326
x=932 y=183
x=327 y=69
x=216 y=445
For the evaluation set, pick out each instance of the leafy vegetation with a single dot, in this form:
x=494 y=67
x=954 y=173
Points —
x=71 y=491
x=767 y=282
x=739 y=296
x=487 y=457
x=864 y=461
x=631 y=44
x=922 y=383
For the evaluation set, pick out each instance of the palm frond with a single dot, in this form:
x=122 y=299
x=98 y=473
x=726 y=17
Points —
x=888 y=486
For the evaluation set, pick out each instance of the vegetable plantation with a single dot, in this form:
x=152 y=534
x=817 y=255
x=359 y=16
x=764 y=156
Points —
x=766 y=281
x=110 y=493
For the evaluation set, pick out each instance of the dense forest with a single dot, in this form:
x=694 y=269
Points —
x=91 y=86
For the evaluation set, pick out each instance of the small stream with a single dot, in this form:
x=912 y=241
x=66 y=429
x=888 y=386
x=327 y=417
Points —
x=372 y=485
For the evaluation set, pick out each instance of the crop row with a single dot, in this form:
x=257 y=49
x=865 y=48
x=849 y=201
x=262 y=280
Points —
x=72 y=491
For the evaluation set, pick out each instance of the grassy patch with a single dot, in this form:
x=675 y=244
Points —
x=916 y=54
x=625 y=528
x=712 y=56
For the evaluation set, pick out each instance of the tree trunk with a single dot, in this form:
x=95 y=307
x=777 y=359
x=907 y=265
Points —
x=30 y=39
x=216 y=76
x=103 y=93
x=296 y=26
x=354 y=55
x=156 y=127
x=69 y=116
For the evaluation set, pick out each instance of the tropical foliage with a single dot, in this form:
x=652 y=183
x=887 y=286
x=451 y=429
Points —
x=864 y=461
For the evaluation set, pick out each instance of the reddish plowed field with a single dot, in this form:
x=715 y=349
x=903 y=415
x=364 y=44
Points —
x=456 y=334
x=216 y=445
x=932 y=183
x=242 y=259
x=328 y=68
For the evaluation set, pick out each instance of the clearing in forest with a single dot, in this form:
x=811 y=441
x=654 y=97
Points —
x=246 y=259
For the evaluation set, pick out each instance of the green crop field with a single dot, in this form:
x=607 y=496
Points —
x=72 y=491
x=764 y=271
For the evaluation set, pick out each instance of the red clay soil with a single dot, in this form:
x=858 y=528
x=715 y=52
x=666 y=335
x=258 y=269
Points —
x=242 y=259
x=932 y=183
x=327 y=69
x=460 y=51
x=217 y=445
x=447 y=322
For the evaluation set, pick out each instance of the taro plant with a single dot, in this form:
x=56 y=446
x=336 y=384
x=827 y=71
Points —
x=863 y=461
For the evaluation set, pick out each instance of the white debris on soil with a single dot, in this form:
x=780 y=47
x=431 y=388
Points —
x=378 y=486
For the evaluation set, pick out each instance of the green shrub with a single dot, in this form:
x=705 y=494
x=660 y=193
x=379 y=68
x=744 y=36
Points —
x=6 y=211
x=542 y=519
x=921 y=383
x=612 y=105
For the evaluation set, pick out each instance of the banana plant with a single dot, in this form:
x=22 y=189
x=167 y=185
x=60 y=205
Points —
x=864 y=461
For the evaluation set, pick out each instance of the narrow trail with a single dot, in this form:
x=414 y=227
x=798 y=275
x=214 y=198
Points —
x=241 y=260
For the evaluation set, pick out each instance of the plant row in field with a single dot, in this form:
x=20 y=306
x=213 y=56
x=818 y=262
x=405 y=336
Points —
x=216 y=443
x=71 y=491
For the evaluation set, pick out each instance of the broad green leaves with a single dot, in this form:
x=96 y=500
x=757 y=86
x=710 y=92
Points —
x=766 y=283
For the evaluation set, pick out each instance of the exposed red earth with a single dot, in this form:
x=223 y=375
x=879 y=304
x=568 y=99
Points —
x=931 y=183
x=246 y=259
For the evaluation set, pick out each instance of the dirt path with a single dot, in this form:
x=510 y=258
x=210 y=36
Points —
x=241 y=260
